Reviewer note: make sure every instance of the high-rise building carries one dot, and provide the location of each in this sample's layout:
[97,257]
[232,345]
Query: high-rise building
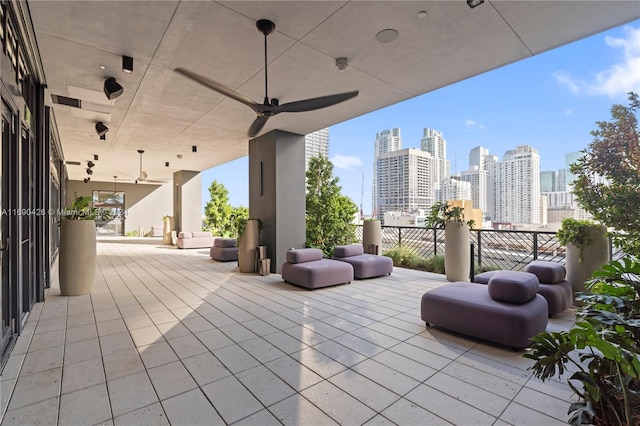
[569,159]
[386,141]
[454,188]
[561,180]
[479,180]
[405,181]
[516,186]
[548,181]
[479,157]
[433,143]
[315,144]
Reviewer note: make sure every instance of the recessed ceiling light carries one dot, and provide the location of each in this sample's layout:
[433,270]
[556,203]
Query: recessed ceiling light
[102,67]
[422,14]
[387,36]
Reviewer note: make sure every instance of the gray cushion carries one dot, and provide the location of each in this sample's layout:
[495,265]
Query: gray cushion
[346,251]
[513,287]
[303,255]
[547,272]
[185,235]
[224,242]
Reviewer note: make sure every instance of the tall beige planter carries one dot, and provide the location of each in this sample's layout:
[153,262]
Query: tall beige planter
[249,240]
[593,257]
[372,236]
[456,251]
[77,256]
[169,225]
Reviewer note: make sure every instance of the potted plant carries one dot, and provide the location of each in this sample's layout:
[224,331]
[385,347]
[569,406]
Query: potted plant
[587,249]
[602,351]
[457,239]
[77,264]
[248,241]
[372,236]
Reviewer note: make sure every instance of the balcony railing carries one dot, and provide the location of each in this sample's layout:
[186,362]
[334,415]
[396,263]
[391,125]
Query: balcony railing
[495,249]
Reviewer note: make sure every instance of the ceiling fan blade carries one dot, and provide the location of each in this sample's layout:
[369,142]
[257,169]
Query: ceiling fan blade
[315,103]
[220,88]
[257,125]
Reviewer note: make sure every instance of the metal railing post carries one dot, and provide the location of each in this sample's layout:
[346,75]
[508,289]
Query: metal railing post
[479,248]
[472,266]
[435,241]
[535,246]
[399,237]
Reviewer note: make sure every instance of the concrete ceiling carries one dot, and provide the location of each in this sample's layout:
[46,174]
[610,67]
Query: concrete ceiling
[165,114]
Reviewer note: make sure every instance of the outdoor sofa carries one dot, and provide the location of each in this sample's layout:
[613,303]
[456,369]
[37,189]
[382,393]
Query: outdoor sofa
[196,239]
[364,265]
[307,268]
[224,249]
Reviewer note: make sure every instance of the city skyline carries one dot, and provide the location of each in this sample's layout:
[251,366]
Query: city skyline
[551,102]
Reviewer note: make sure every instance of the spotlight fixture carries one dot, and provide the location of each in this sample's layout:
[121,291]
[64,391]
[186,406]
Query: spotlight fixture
[89,172]
[166,164]
[101,129]
[127,64]
[95,157]
[90,164]
[194,148]
[85,180]
[474,3]
[112,89]
[103,137]
[342,64]
[179,156]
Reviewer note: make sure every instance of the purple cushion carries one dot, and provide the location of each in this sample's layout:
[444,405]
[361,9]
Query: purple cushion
[513,287]
[185,235]
[304,255]
[224,242]
[484,277]
[346,251]
[547,272]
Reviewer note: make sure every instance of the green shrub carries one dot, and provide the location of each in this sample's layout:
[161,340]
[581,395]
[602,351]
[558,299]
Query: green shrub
[133,233]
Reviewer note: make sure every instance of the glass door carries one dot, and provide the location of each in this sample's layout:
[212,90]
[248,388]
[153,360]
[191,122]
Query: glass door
[6,330]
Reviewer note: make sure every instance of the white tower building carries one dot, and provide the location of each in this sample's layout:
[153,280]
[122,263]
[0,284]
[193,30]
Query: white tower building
[454,188]
[386,141]
[479,180]
[516,186]
[315,144]
[433,143]
[405,181]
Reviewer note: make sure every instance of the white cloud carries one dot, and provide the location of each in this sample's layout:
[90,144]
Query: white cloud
[473,123]
[346,162]
[619,78]
[568,111]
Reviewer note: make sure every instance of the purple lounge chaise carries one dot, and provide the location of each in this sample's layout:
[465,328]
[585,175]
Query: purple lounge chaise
[507,311]
[364,265]
[306,268]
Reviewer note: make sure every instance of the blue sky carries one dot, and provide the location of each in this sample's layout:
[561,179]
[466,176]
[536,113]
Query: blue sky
[550,101]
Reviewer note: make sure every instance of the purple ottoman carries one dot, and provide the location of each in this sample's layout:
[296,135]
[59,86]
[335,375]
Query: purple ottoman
[553,287]
[505,312]
[364,265]
[306,268]
[224,249]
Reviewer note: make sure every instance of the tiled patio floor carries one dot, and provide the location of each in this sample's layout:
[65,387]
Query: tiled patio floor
[172,337]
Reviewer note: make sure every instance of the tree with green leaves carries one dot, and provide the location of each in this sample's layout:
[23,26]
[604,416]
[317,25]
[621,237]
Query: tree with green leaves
[329,214]
[607,180]
[218,211]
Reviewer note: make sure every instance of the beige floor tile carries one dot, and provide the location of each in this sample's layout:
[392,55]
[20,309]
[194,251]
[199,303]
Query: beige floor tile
[41,413]
[162,317]
[47,340]
[520,415]
[261,350]
[82,375]
[83,332]
[146,336]
[404,365]
[131,393]
[338,404]
[261,418]
[285,342]
[296,410]
[337,352]
[235,358]
[187,346]
[156,354]
[214,339]
[86,406]
[543,403]
[113,326]
[191,408]
[138,321]
[205,368]
[150,415]
[404,412]
[294,373]
[171,379]
[364,390]
[265,385]
[173,330]
[37,387]
[231,399]
[115,342]
[122,363]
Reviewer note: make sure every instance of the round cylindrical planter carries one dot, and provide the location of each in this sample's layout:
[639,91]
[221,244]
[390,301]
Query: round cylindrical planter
[593,256]
[77,262]
[372,236]
[168,226]
[249,240]
[456,251]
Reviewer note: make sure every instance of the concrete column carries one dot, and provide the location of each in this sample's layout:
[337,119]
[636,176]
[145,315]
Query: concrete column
[187,200]
[277,192]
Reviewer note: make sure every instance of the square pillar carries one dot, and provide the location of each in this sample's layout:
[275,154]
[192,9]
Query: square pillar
[187,200]
[277,192]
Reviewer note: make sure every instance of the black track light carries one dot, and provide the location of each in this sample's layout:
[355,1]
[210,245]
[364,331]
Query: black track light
[95,157]
[101,129]
[112,89]
[85,180]
[194,148]
[89,171]
[103,137]
[90,164]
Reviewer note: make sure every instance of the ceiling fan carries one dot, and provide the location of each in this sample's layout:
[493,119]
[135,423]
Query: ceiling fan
[142,176]
[269,107]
